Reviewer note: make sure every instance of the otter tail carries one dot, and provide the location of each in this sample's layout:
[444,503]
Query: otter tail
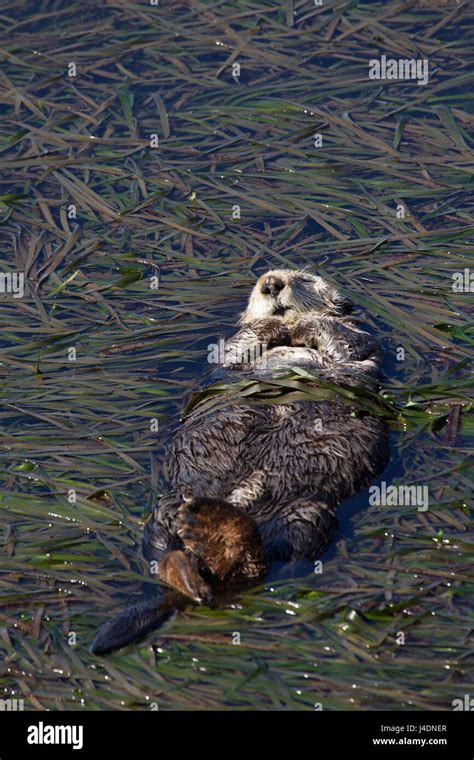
[133,623]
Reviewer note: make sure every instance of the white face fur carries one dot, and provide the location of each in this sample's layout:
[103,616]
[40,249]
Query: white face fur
[290,294]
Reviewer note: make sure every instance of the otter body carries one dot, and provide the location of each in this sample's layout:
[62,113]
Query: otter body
[253,484]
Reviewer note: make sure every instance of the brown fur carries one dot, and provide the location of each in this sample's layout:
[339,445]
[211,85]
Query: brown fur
[253,484]
[271,463]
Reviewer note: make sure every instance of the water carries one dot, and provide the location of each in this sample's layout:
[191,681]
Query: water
[80,428]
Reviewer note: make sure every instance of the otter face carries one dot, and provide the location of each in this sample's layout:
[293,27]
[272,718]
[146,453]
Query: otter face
[290,294]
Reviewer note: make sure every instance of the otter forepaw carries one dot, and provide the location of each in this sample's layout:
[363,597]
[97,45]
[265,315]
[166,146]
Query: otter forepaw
[272,330]
[304,333]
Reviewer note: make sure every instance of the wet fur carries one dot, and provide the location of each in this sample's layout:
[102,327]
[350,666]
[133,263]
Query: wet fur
[255,484]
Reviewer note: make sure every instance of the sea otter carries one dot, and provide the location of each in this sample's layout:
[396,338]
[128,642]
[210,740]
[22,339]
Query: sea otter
[252,484]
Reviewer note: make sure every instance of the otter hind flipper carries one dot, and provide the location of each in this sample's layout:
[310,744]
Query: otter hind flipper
[180,572]
[131,624]
[221,545]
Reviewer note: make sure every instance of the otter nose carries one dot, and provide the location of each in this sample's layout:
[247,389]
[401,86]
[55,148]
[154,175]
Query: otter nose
[272,286]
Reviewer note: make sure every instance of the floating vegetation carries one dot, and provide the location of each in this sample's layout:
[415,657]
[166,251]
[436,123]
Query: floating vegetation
[146,181]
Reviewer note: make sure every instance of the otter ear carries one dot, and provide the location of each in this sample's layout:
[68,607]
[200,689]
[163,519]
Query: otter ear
[344,305]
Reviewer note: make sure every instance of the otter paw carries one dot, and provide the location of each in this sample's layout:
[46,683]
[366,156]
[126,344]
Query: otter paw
[220,535]
[272,330]
[304,333]
[180,572]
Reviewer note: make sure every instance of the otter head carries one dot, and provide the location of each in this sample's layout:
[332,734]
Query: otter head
[291,294]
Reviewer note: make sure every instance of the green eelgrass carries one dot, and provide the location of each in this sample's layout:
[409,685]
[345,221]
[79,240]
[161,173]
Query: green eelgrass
[83,425]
